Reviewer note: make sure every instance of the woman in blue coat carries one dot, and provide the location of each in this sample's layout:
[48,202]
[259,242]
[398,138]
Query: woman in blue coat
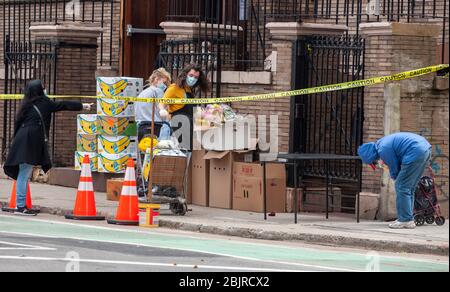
[407,155]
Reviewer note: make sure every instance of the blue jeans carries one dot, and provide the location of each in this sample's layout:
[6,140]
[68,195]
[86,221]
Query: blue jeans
[25,171]
[166,131]
[406,184]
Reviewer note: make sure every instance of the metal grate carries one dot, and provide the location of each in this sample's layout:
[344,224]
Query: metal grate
[25,62]
[329,123]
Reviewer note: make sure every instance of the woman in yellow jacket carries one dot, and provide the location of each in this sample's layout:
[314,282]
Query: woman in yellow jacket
[191,80]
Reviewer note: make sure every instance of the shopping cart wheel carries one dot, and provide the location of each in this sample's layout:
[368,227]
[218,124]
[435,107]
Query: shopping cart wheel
[430,220]
[440,221]
[419,220]
[178,208]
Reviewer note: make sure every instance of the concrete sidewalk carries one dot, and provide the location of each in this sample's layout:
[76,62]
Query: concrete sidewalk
[339,230]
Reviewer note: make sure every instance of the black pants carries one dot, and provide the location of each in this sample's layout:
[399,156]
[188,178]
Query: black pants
[145,129]
[182,139]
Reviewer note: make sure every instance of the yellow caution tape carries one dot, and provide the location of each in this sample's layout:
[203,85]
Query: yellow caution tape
[314,90]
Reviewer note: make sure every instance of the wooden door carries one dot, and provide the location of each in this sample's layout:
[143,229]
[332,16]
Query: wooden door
[141,35]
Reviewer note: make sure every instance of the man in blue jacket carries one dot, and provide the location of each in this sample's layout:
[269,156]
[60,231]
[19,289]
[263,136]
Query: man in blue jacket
[407,155]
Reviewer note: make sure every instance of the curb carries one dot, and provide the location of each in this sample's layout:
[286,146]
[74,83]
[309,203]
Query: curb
[341,241]
[325,240]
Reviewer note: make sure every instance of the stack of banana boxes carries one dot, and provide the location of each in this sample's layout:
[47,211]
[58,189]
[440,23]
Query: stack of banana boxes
[110,136]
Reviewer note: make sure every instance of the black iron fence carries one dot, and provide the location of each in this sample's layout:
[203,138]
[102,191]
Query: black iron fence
[236,32]
[25,61]
[343,10]
[236,29]
[331,122]
[176,54]
[18,15]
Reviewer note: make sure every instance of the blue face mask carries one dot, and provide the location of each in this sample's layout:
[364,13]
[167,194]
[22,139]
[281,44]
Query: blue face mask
[162,86]
[191,81]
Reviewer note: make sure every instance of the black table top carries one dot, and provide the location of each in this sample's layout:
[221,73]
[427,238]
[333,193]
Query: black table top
[318,156]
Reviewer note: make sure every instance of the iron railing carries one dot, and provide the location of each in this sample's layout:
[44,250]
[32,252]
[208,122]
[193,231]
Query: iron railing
[25,61]
[18,15]
[235,32]
[176,54]
[332,122]
[236,29]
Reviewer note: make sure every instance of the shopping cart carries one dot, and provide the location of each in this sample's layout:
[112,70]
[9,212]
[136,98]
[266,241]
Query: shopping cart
[169,179]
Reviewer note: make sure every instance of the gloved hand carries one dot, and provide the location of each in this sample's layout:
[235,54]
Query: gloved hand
[164,114]
[87,106]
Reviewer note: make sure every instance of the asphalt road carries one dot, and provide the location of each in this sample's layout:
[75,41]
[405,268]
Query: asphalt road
[48,243]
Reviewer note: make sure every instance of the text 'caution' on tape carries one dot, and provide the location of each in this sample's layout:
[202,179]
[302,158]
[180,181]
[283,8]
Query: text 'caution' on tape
[275,95]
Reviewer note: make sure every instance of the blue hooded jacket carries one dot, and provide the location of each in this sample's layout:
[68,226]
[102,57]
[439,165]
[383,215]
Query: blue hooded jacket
[395,150]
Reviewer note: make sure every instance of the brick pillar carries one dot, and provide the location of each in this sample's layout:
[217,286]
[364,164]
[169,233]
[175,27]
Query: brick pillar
[76,64]
[283,36]
[409,105]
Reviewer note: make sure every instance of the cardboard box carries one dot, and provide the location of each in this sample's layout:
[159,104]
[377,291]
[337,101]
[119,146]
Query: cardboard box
[200,178]
[117,145]
[248,187]
[119,86]
[114,189]
[93,157]
[221,177]
[114,126]
[86,143]
[87,124]
[189,186]
[113,163]
[231,136]
[115,108]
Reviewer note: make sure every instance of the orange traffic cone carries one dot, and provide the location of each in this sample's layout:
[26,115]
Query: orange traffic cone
[128,211]
[85,203]
[13,201]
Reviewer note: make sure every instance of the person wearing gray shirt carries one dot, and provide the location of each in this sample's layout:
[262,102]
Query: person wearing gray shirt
[158,83]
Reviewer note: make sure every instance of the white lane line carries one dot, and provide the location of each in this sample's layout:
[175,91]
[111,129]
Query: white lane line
[20,246]
[231,241]
[148,264]
[192,250]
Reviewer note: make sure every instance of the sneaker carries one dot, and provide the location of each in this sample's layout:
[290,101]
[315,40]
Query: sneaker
[402,225]
[24,212]
[143,199]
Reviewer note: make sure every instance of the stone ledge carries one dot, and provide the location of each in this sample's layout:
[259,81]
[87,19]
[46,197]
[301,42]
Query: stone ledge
[242,77]
[295,29]
[400,29]
[190,29]
[71,30]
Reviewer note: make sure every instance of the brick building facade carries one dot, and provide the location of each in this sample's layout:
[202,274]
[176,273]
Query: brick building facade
[395,42]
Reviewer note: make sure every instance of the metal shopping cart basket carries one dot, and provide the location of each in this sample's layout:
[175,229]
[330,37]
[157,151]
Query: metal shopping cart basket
[169,179]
